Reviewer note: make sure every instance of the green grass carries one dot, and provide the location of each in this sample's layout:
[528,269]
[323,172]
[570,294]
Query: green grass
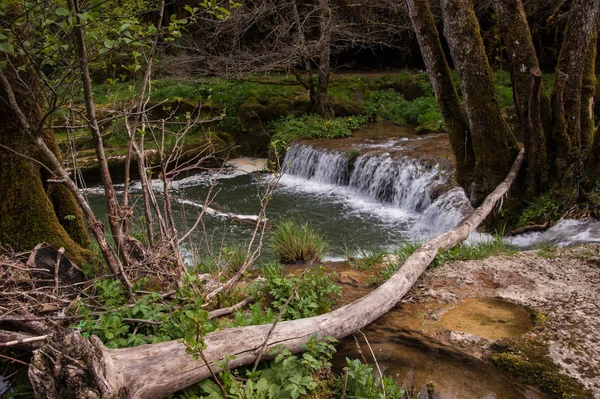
[461,252]
[295,242]
[364,259]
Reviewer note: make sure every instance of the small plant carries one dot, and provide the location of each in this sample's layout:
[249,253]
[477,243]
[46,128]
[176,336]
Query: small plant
[360,381]
[314,296]
[295,242]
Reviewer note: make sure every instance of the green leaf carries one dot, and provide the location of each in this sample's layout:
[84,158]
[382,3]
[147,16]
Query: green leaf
[6,47]
[109,43]
[62,11]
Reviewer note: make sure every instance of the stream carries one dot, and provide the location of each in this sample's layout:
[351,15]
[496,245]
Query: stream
[372,191]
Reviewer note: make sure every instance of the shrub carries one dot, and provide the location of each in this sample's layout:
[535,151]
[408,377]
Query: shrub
[294,242]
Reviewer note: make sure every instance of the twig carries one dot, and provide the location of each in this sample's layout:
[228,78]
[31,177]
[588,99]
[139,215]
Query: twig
[375,360]
[24,340]
[60,251]
[225,311]
[12,359]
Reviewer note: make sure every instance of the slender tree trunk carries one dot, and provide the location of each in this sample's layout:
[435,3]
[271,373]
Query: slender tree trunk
[493,143]
[588,91]
[527,88]
[453,113]
[114,213]
[71,366]
[324,57]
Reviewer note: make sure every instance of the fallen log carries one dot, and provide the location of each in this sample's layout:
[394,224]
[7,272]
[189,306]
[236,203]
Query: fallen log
[71,366]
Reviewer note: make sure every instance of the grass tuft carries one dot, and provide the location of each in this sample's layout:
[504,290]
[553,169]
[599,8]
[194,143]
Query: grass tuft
[295,242]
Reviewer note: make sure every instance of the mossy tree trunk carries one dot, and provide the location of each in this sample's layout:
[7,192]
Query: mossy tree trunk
[566,139]
[453,113]
[32,211]
[494,145]
[559,131]
[527,88]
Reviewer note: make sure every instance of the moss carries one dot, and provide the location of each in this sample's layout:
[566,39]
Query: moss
[537,317]
[347,108]
[526,360]
[27,216]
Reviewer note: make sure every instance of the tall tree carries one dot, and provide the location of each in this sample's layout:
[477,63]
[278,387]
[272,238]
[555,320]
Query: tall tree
[558,130]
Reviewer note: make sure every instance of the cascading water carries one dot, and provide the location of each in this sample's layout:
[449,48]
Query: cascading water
[421,188]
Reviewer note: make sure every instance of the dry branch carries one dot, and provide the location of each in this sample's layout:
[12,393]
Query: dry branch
[72,366]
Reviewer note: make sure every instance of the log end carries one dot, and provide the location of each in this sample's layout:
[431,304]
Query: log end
[72,366]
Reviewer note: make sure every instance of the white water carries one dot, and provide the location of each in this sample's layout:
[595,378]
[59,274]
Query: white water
[395,189]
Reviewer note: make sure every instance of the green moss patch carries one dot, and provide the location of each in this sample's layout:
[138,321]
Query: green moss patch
[527,360]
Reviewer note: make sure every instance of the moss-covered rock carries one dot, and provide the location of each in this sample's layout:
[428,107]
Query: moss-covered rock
[527,360]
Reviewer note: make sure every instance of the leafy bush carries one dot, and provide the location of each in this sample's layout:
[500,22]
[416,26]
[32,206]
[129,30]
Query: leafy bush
[294,242]
[314,296]
[362,383]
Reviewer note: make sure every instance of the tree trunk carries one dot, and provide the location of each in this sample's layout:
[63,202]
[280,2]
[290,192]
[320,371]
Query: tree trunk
[324,57]
[438,70]
[493,143]
[588,91]
[71,366]
[27,213]
[115,215]
[527,87]
[566,95]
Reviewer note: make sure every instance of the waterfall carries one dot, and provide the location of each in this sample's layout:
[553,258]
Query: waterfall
[423,188]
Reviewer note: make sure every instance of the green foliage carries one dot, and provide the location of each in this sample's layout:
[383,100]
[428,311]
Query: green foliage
[295,242]
[315,295]
[391,106]
[290,127]
[548,207]
[363,383]
[182,318]
[286,376]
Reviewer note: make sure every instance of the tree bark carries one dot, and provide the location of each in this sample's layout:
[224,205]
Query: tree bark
[438,70]
[71,366]
[588,91]
[115,215]
[324,57]
[528,90]
[566,95]
[493,143]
